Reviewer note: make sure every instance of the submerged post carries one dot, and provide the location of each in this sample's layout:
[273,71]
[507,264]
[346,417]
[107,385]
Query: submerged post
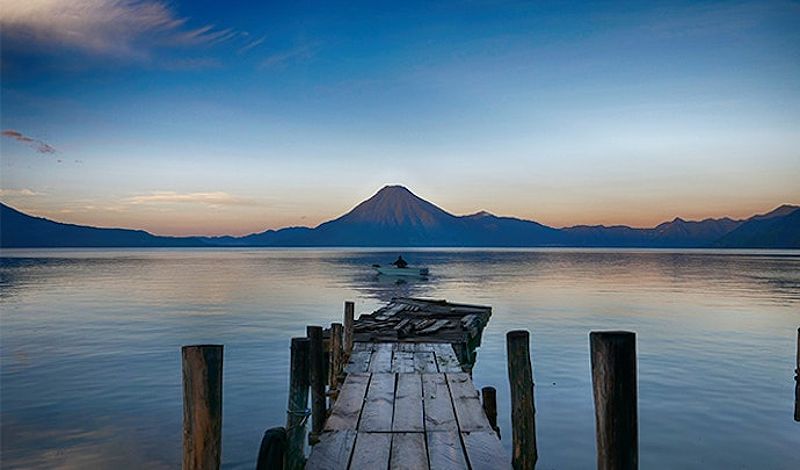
[489,395]
[317,381]
[523,410]
[349,318]
[615,399]
[202,406]
[297,409]
[797,381]
[336,355]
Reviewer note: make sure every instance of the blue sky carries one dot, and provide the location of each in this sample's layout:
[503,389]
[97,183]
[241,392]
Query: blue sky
[229,117]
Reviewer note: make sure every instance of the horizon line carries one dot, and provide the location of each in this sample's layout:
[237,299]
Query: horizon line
[674,219]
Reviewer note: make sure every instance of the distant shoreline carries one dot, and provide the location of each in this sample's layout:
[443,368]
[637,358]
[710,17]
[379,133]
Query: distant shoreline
[396,217]
[416,249]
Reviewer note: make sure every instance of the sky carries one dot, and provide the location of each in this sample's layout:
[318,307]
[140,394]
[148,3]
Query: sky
[206,117]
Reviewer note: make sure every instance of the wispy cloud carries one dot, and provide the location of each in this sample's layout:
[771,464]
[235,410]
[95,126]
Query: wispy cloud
[295,54]
[41,147]
[125,28]
[24,192]
[210,199]
[252,44]
[199,63]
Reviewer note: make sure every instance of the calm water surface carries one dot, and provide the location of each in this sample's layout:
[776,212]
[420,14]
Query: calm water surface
[89,344]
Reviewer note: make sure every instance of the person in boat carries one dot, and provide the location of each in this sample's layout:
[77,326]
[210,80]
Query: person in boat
[400,262]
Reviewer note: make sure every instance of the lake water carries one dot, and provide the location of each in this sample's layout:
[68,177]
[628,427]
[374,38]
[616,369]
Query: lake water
[90,339]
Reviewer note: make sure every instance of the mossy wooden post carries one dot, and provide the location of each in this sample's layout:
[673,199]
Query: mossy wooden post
[202,406]
[297,409]
[316,355]
[615,399]
[349,318]
[336,355]
[523,409]
[797,381]
[489,395]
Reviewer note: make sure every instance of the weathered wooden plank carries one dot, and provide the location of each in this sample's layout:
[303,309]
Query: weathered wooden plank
[408,451]
[436,326]
[797,381]
[333,450]
[381,360]
[372,451]
[466,321]
[467,403]
[489,400]
[202,406]
[425,363]
[523,408]
[446,358]
[337,355]
[615,398]
[363,346]
[376,415]
[347,408]
[405,347]
[445,451]
[358,362]
[296,406]
[408,412]
[484,451]
[390,311]
[349,319]
[438,405]
[317,381]
[403,362]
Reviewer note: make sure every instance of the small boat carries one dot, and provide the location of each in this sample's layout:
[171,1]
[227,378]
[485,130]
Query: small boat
[393,271]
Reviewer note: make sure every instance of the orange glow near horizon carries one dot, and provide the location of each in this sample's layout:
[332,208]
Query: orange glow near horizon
[173,219]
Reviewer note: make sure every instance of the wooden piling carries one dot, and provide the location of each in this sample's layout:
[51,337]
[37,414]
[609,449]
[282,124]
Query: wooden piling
[272,453]
[349,319]
[523,410]
[615,399]
[317,381]
[797,381]
[202,406]
[297,409]
[489,395]
[336,355]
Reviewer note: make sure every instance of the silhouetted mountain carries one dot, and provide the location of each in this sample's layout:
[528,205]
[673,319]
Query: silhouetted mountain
[392,217]
[676,233]
[396,217]
[780,211]
[485,229]
[777,229]
[18,230]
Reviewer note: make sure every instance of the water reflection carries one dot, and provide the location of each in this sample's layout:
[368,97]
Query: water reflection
[90,344]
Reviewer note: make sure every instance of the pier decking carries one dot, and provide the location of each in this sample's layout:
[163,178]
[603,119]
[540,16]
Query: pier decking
[401,396]
[406,401]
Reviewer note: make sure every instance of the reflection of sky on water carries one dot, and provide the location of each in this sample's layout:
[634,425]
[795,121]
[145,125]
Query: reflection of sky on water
[90,344]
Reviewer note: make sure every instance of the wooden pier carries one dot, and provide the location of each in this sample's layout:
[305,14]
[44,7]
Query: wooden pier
[393,390]
[408,400]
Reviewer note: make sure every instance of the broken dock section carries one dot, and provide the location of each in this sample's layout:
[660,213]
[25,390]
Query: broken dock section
[408,400]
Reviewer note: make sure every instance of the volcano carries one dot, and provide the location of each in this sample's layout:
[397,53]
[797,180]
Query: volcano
[396,217]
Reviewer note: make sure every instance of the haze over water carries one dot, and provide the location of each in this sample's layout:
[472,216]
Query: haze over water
[91,364]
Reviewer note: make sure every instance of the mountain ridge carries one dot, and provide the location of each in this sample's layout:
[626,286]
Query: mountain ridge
[394,216]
